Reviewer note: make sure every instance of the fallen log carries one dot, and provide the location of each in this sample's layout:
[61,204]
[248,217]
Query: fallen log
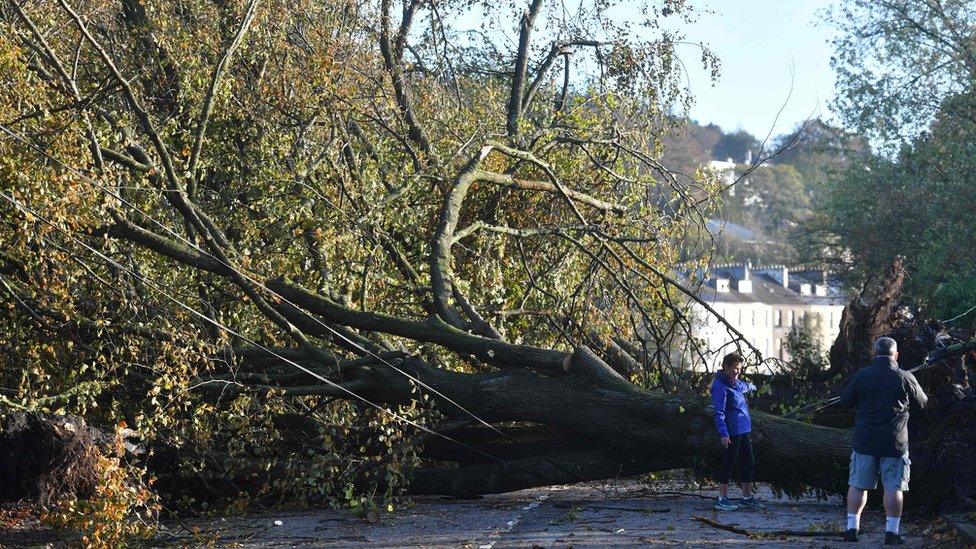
[766,534]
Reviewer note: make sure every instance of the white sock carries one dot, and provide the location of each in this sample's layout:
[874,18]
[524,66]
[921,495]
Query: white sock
[891,524]
[853,521]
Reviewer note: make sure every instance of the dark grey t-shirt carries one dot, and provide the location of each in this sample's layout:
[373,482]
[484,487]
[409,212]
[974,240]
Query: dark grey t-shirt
[881,396]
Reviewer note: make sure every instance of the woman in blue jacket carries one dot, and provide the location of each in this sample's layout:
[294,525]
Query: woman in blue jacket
[733,425]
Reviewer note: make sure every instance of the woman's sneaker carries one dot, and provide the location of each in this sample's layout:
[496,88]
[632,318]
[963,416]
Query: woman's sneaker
[752,503]
[894,539]
[725,504]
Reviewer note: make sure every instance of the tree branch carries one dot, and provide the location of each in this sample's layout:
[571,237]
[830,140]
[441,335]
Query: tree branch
[521,66]
[392,50]
[212,91]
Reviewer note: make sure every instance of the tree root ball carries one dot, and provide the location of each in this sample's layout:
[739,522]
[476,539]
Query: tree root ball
[47,457]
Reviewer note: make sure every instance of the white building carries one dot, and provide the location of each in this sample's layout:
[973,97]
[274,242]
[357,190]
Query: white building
[764,304]
[725,171]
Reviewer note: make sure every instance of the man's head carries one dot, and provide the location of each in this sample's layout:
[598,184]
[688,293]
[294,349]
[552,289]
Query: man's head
[732,365]
[885,346]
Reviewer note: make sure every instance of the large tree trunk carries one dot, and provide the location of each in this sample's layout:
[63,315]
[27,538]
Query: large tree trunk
[580,420]
[590,424]
[600,426]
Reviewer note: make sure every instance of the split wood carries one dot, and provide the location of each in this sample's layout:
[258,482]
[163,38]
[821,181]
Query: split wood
[764,534]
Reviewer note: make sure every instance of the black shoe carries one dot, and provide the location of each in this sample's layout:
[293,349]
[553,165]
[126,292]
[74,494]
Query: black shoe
[850,535]
[893,539]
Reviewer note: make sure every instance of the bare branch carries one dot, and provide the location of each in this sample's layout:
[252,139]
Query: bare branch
[392,50]
[521,67]
[214,83]
[557,49]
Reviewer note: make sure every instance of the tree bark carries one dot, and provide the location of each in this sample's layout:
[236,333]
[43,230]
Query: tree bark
[594,405]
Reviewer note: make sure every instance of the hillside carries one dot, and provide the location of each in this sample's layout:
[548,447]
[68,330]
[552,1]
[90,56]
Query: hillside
[777,197]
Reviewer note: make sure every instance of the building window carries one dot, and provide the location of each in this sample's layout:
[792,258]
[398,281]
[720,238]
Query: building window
[753,317]
[819,319]
[766,318]
[778,317]
[740,317]
[831,319]
[792,318]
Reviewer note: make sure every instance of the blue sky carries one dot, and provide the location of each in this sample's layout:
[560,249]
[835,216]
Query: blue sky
[759,43]
[765,47]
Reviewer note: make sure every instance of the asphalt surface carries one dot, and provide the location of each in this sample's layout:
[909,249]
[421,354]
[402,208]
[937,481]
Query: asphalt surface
[583,515]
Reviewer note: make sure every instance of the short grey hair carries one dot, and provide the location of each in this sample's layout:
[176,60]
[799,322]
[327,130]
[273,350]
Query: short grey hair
[885,346]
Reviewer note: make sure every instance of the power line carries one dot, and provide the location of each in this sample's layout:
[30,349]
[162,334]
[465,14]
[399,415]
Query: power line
[261,286]
[279,296]
[231,331]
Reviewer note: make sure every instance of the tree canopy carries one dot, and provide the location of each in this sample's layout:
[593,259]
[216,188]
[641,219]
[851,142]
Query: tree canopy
[223,220]
[897,61]
[905,75]
[916,205]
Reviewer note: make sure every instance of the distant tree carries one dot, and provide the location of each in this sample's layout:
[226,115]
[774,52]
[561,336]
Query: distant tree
[898,61]
[819,152]
[918,205]
[708,135]
[772,200]
[736,146]
[818,149]
[689,146]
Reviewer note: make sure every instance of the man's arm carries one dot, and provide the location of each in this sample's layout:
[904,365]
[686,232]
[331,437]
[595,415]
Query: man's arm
[915,391]
[848,397]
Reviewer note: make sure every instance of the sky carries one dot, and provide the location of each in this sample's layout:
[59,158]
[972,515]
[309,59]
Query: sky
[764,46]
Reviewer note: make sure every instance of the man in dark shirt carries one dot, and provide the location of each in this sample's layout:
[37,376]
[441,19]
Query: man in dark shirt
[881,396]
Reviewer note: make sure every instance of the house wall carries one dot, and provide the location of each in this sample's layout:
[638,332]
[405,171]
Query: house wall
[766,326]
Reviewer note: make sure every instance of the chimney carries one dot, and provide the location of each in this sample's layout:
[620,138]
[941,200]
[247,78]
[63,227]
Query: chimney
[741,272]
[780,274]
[722,285]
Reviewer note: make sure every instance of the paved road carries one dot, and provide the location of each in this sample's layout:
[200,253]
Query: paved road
[586,515]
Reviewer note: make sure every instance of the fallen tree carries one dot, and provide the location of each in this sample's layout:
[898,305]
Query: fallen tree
[289,273]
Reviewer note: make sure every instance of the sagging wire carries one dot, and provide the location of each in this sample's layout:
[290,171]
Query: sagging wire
[152,284]
[366,351]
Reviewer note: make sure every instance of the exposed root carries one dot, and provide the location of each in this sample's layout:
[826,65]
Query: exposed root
[45,457]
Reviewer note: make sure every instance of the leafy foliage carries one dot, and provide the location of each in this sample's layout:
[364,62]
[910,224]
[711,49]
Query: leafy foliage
[905,75]
[915,206]
[165,160]
[897,61]
[123,509]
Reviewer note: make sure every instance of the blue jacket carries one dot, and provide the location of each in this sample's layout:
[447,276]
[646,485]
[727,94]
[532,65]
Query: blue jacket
[731,408]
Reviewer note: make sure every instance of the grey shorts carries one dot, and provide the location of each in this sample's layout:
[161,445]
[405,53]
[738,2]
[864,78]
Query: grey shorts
[894,472]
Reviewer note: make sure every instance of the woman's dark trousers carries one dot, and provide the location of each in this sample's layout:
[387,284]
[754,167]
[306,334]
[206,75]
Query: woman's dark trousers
[740,449]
